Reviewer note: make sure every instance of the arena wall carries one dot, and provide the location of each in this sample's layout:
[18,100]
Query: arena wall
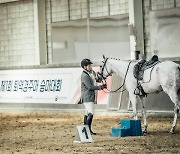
[26,29]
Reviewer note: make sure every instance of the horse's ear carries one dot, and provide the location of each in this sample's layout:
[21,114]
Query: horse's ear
[104,57]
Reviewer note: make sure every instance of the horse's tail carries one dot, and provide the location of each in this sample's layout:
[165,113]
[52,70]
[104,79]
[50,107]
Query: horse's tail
[179,69]
[178,90]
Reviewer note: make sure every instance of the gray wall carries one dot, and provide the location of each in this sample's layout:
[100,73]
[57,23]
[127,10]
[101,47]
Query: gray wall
[165,23]
[18,24]
[74,40]
[61,10]
[153,5]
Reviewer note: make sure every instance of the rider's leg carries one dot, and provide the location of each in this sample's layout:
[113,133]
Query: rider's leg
[89,106]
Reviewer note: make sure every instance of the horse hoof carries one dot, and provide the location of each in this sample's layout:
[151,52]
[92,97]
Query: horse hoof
[145,130]
[172,131]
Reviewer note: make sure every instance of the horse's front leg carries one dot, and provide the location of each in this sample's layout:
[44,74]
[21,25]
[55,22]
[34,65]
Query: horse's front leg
[133,99]
[176,111]
[143,103]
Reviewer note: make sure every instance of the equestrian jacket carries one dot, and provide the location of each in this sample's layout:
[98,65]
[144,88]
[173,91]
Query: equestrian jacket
[88,88]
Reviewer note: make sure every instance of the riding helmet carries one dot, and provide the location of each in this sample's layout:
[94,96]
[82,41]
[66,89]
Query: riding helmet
[85,62]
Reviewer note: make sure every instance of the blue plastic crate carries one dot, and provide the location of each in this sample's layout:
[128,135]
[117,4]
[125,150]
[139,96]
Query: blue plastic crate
[134,127]
[126,124]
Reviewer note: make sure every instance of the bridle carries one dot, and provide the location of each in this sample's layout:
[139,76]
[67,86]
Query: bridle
[102,70]
[103,79]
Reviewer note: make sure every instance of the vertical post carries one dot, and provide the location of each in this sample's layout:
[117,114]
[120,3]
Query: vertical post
[150,5]
[109,9]
[69,12]
[88,28]
[40,32]
[136,24]
[175,3]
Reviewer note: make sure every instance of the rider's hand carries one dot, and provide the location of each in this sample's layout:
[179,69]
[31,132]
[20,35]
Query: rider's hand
[98,80]
[99,77]
[103,86]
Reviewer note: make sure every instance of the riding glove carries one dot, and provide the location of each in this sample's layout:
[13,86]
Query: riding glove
[103,86]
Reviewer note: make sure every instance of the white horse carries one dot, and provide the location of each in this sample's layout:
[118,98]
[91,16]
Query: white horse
[164,76]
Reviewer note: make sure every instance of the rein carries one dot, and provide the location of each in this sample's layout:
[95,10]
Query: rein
[104,81]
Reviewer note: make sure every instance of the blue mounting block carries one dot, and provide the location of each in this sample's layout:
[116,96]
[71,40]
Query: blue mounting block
[120,132]
[128,128]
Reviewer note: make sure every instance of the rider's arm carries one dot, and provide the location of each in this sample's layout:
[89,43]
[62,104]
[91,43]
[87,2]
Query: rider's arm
[89,85]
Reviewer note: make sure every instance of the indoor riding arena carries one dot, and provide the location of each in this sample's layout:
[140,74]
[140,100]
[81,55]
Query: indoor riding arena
[89,76]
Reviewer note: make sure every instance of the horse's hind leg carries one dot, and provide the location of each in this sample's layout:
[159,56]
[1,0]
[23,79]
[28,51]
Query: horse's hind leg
[143,102]
[175,99]
[176,111]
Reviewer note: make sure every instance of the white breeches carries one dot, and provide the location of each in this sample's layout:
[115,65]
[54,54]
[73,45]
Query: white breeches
[89,107]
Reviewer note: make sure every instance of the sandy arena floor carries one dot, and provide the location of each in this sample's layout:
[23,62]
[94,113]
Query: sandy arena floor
[55,133]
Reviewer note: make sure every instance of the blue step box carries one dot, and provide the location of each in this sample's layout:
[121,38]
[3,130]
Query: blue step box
[128,128]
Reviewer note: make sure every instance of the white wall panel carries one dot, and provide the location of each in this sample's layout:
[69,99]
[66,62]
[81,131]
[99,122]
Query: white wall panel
[165,25]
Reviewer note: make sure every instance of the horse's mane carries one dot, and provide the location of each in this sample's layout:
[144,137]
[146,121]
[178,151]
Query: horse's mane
[122,60]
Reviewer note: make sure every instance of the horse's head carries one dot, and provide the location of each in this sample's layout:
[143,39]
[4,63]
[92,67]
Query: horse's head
[103,72]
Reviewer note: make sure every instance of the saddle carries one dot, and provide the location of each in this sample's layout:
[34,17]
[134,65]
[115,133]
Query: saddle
[142,65]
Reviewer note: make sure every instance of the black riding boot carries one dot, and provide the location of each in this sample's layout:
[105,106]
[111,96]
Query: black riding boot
[85,120]
[89,122]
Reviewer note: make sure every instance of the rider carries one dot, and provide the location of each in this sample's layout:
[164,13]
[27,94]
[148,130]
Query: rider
[88,88]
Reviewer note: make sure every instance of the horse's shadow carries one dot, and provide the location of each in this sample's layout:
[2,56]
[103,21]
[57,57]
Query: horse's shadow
[160,132]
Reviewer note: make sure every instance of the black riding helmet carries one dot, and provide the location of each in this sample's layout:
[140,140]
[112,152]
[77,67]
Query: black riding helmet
[85,62]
